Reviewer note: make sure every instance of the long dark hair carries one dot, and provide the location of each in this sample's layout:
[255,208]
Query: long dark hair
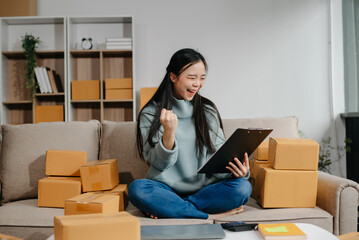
[179,62]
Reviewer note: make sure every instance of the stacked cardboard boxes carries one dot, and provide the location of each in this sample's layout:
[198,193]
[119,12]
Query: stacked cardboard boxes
[69,175]
[284,173]
[90,215]
[97,177]
[63,181]
[118,88]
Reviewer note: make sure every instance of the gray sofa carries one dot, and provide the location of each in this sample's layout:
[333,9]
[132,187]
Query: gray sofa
[23,164]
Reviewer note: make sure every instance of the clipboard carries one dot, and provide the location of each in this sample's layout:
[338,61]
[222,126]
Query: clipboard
[240,142]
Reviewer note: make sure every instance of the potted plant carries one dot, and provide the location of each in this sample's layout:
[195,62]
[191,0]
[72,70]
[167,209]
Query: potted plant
[30,44]
[325,154]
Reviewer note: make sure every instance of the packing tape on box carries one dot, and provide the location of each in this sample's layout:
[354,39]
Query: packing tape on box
[99,162]
[84,204]
[90,197]
[94,170]
[82,207]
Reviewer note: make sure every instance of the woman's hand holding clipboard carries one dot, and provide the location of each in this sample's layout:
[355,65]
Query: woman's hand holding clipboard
[240,142]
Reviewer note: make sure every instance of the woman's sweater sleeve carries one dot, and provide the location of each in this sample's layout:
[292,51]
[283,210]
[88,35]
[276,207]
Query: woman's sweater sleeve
[158,156]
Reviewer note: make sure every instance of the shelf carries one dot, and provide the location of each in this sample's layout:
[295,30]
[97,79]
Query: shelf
[32,20]
[49,94]
[86,101]
[118,100]
[42,54]
[105,100]
[117,53]
[17,102]
[96,53]
[92,20]
[85,53]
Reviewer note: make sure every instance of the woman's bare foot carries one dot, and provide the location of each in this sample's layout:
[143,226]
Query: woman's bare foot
[151,216]
[225,214]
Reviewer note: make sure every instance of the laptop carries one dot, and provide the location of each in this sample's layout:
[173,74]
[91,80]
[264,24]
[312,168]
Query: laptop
[195,231]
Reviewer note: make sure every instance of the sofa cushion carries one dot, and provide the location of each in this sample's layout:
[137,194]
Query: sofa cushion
[282,126]
[27,213]
[119,141]
[24,151]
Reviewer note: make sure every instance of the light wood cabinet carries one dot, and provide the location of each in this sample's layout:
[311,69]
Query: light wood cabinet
[60,50]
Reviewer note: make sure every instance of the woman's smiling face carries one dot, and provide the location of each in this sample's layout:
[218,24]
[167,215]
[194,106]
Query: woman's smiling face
[188,83]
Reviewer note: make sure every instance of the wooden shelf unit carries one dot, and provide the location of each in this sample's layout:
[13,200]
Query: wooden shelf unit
[99,64]
[16,105]
[60,51]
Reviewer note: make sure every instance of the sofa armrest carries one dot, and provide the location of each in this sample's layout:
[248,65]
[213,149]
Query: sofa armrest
[339,197]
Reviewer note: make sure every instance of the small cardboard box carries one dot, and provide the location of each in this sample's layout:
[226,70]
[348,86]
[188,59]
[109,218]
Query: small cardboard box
[118,93]
[286,188]
[53,113]
[85,90]
[261,153]
[116,83]
[64,163]
[53,191]
[293,153]
[92,202]
[99,175]
[109,226]
[146,94]
[7,237]
[121,191]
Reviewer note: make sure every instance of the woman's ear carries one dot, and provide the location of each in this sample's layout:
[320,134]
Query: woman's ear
[173,77]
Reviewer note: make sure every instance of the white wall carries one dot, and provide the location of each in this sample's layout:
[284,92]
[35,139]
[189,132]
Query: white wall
[266,58]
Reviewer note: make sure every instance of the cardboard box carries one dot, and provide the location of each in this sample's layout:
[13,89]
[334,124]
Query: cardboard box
[52,113]
[254,166]
[293,153]
[99,175]
[121,191]
[261,153]
[115,83]
[92,202]
[7,237]
[109,226]
[53,191]
[85,90]
[286,188]
[146,94]
[118,94]
[18,8]
[65,163]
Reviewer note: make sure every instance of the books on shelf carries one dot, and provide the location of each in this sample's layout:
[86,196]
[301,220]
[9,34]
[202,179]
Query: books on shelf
[119,43]
[48,80]
[279,231]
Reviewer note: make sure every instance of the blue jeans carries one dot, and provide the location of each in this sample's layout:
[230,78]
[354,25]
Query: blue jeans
[157,198]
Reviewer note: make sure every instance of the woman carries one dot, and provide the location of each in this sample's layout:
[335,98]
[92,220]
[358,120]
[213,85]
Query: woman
[177,131]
